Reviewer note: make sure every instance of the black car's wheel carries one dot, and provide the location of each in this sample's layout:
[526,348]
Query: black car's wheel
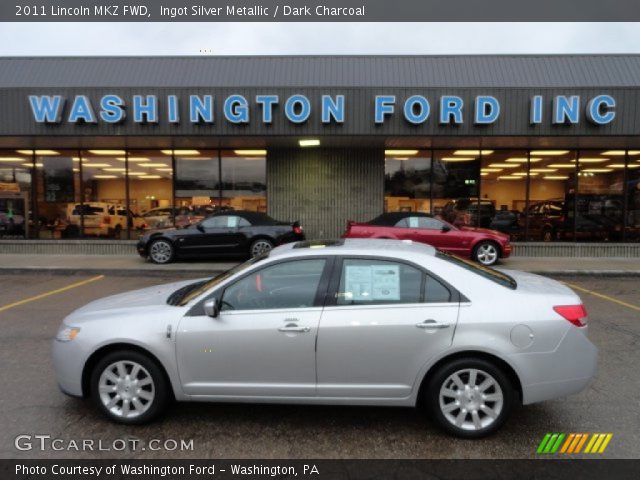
[128,387]
[487,253]
[469,397]
[260,246]
[161,251]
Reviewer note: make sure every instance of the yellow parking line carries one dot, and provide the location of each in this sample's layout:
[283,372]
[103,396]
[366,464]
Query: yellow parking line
[51,292]
[605,297]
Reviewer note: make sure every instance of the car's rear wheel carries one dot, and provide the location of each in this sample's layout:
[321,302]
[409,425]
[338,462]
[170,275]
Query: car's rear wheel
[128,387]
[260,246]
[470,397]
[486,253]
[161,251]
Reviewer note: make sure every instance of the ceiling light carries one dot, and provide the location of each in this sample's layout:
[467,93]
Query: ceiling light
[133,159]
[548,153]
[592,160]
[38,152]
[107,152]
[115,169]
[181,152]
[136,174]
[620,153]
[151,164]
[166,169]
[484,174]
[38,165]
[556,177]
[621,165]
[457,159]
[509,177]
[562,165]
[490,170]
[309,142]
[400,153]
[524,174]
[105,177]
[522,160]
[76,169]
[543,170]
[76,159]
[597,170]
[400,158]
[12,159]
[150,177]
[250,153]
[504,165]
[96,165]
[473,152]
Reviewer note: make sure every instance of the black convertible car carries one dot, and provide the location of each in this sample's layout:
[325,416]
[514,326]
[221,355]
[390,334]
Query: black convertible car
[234,233]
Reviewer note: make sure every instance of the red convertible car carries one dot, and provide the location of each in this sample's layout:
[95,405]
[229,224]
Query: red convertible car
[480,244]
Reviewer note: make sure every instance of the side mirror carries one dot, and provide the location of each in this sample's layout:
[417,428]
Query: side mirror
[212,307]
[445,228]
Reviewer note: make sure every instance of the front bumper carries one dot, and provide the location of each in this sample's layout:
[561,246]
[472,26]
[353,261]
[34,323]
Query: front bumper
[565,371]
[506,251]
[68,363]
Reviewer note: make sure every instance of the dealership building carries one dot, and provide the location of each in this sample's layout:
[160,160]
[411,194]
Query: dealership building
[544,147]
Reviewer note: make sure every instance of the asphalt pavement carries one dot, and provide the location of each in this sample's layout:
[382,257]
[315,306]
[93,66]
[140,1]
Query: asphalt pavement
[32,306]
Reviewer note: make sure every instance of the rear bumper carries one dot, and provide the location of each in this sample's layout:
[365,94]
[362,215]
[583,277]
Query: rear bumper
[506,251]
[565,371]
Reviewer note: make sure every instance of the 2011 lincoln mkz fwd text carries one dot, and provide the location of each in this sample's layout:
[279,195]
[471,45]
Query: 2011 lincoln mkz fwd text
[346,322]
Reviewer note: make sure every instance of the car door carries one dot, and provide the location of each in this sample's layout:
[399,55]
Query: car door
[386,319]
[263,341]
[216,235]
[439,234]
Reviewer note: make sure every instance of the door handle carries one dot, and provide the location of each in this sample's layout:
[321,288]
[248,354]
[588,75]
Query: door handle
[432,324]
[294,328]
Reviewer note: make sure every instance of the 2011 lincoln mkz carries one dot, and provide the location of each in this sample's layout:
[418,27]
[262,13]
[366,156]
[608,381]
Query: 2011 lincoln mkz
[348,322]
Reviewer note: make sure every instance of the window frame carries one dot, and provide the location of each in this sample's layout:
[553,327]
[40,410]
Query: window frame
[331,296]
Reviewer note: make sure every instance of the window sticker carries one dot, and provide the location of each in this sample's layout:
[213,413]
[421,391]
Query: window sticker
[372,283]
[413,222]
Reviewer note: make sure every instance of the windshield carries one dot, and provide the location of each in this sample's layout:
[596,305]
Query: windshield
[184,295]
[486,272]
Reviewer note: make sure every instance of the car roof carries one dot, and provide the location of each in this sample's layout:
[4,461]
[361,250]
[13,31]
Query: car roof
[354,246]
[389,218]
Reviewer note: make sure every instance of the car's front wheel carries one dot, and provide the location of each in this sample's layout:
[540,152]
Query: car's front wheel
[161,251]
[469,397]
[486,253]
[128,387]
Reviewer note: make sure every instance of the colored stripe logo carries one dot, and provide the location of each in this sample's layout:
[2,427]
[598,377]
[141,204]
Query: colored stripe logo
[573,443]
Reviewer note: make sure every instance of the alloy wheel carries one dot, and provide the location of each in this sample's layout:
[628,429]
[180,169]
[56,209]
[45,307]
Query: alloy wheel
[259,247]
[471,399]
[126,389]
[161,251]
[487,254]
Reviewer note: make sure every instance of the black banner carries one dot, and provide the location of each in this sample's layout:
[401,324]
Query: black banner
[578,469]
[320,11]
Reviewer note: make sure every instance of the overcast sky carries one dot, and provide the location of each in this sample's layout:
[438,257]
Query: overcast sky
[315,38]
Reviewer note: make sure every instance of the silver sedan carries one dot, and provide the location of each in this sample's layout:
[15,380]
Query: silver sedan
[349,322]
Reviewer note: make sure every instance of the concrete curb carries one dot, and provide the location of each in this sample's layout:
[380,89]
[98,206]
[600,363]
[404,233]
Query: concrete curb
[150,272]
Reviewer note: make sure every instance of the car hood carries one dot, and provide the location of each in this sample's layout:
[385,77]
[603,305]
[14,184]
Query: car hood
[486,231]
[532,283]
[145,297]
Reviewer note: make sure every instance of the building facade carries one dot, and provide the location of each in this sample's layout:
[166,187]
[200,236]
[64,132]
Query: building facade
[542,147]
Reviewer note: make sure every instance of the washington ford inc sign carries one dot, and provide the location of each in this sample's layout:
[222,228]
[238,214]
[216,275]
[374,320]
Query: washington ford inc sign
[297,109]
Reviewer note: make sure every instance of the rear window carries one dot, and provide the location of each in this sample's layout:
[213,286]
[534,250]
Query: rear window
[486,272]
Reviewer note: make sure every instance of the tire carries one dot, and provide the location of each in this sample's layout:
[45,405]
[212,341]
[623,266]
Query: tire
[443,400]
[161,251]
[486,253]
[124,399]
[260,246]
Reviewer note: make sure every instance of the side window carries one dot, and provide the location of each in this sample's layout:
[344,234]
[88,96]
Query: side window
[373,282]
[216,222]
[429,223]
[242,222]
[404,223]
[435,292]
[285,285]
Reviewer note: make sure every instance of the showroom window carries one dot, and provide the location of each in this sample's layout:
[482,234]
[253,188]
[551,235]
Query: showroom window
[456,178]
[244,179]
[16,195]
[407,181]
[632,192]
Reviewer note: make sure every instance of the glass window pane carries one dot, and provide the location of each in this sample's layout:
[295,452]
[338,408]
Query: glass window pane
[435,292]
[244,180]
[633,197]
[15,195]
[286,285]
[553,183]
[372,282]
[58,190]
[407,181]
[456,176]
[197,185]
[104,195]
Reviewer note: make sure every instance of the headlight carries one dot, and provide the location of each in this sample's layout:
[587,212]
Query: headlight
[66,334]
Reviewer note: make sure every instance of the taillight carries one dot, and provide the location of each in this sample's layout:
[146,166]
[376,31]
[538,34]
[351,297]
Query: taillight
[297,229]
[576,314]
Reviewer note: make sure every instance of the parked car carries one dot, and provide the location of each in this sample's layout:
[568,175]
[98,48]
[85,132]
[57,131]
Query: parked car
[351,322]
[101,219]
[467,212]
[507,221]
[232,233]
[482,245]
